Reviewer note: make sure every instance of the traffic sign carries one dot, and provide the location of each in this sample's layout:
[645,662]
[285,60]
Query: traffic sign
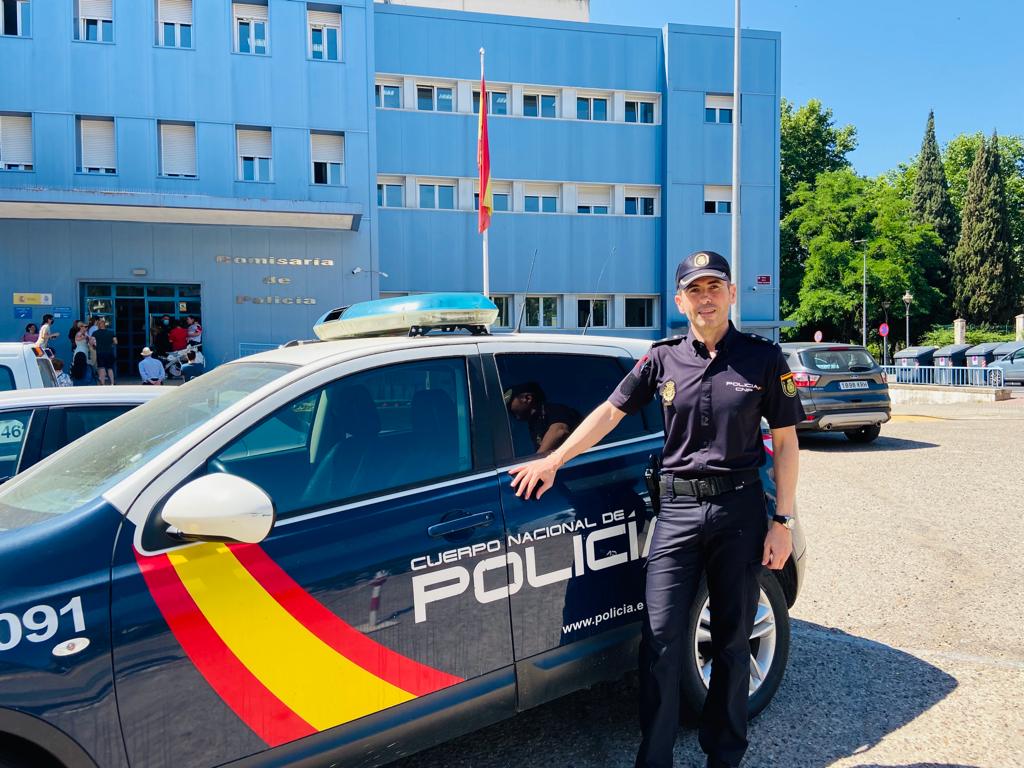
[818,336]
[883,330]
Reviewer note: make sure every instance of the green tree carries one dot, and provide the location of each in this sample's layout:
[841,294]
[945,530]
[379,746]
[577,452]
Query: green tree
[930,202]
[985,280]
[810,144]
[828,219]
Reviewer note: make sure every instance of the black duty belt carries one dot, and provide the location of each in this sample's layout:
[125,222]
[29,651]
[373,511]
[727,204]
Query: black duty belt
[708,486]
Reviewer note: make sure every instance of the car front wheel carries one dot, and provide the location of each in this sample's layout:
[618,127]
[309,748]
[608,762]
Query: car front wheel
[864,434]
[769,648]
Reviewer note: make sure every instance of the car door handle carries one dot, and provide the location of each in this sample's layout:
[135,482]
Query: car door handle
[449,527]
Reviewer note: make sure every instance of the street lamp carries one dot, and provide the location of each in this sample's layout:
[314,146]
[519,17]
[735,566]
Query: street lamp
[885,339]
[864,307]
[908,297]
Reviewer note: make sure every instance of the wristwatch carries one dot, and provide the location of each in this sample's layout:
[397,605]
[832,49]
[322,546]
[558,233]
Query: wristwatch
[784,520]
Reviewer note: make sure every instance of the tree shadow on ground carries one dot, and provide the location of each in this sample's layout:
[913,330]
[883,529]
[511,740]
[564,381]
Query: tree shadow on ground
[842,694]
[836,442]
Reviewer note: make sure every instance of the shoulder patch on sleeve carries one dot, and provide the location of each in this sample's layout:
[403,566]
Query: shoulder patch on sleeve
[788,385]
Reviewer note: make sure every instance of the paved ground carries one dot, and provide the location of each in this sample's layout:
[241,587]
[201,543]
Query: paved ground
[907,649]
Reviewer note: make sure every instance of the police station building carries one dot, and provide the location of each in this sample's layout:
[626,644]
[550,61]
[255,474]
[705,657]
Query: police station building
[260,163]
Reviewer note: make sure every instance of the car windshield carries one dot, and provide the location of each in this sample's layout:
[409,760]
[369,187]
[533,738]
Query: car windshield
[838,360]
[88,467]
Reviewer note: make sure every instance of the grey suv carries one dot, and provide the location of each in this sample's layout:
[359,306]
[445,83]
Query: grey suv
[841,388]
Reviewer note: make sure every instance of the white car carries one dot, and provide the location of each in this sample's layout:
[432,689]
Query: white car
[21,367]
[35,423]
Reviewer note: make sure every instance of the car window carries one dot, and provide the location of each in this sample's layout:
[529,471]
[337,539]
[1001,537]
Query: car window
[547,395]
[105,456]
[65,425]
[378,430]
[46,372]
[6,379]
[838,360]
[13,429]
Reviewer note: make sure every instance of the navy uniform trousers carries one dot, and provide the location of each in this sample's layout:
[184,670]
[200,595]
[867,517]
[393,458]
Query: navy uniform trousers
[722,536]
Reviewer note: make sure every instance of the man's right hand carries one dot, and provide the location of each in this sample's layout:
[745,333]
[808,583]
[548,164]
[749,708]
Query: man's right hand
[536,476]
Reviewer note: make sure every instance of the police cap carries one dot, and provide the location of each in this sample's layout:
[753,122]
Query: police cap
[702,264]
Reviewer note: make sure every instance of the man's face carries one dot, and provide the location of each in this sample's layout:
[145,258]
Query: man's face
[706,302]
[521,406]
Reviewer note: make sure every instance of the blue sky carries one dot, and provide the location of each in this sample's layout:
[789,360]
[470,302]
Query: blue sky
[879,65]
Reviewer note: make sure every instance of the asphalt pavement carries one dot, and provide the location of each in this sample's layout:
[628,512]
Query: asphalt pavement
[908,647]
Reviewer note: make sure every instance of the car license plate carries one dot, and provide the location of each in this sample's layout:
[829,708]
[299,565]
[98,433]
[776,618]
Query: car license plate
[853,385]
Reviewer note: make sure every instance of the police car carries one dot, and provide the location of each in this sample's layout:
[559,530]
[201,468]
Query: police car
[313,555]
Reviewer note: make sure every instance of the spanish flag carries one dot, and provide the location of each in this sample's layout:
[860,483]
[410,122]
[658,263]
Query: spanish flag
[483,160]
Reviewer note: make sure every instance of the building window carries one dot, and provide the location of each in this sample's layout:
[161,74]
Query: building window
[541,203]
[639,206]
[639,312]
[174,23]
[639,111]
[327,151]
[324,35]
[440,196]
[252,23]
[498,199]
[178,150]
[593,199]
[592,313]
[542,312]
[435,98]
[255,153]
[94,21]
[15,18]
[504,305]
[592,209]
[390,194]
[16,142]
[499,102]
[591,108]
[539,105]
[389,95]
[717,199]
[96,149]
[717,108]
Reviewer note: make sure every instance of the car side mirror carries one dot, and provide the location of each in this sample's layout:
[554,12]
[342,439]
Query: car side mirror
[220,507]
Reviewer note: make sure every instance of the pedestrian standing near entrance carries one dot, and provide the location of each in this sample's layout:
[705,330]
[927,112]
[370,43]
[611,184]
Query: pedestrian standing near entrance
[715,385]
[194,330]
[151,370]
[178,336]
[45,335]
[105,341]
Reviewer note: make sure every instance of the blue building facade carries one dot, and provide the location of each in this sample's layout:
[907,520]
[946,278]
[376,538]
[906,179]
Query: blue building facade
[260,163]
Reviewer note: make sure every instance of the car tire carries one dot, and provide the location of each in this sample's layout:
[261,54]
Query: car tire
[770,649]
[864,434]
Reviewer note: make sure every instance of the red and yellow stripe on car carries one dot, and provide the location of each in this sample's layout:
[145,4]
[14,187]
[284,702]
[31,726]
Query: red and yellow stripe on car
[285,664]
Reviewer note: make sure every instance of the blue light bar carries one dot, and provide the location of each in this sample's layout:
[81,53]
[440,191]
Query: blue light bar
[408,315]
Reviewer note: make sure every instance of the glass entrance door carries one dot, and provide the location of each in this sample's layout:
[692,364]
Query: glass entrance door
[133,312]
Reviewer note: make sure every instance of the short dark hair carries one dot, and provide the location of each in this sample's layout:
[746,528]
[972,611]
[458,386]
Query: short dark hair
[191,355]
[527,388]
[47,319]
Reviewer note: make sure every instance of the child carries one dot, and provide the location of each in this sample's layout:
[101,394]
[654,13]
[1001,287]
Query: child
[63,380]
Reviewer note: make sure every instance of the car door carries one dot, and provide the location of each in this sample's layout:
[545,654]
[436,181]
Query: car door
[576,554]
[56,426]
[379,602]
[14,430]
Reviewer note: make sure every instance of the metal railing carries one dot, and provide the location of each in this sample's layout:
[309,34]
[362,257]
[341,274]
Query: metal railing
[948,375]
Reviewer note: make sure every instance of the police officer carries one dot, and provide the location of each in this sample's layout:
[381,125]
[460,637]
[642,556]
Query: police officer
[715,384]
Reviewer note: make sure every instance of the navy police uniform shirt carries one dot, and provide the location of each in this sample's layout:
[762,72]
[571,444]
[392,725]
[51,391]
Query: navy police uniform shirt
[713,405]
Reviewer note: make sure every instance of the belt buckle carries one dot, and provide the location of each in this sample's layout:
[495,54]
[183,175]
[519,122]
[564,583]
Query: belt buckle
[706,487]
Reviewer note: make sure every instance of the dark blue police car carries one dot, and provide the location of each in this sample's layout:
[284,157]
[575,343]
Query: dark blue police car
[313,555]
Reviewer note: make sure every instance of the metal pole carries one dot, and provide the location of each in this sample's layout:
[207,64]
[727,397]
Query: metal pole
[864,310]
[486,265]
[736,272]
[908,324]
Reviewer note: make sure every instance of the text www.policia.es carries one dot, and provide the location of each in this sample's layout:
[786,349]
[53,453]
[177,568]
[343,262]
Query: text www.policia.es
[611,613]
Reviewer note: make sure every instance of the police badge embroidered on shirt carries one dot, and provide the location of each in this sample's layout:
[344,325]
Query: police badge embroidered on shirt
[668,392]
[788,387]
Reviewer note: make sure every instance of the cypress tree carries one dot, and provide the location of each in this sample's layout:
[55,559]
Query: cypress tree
[984,289]
[931,203]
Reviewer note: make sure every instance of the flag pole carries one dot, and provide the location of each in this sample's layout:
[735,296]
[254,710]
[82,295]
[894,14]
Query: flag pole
[737,279]
[486,265]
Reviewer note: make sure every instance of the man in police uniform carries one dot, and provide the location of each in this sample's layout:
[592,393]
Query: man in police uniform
[715,385]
